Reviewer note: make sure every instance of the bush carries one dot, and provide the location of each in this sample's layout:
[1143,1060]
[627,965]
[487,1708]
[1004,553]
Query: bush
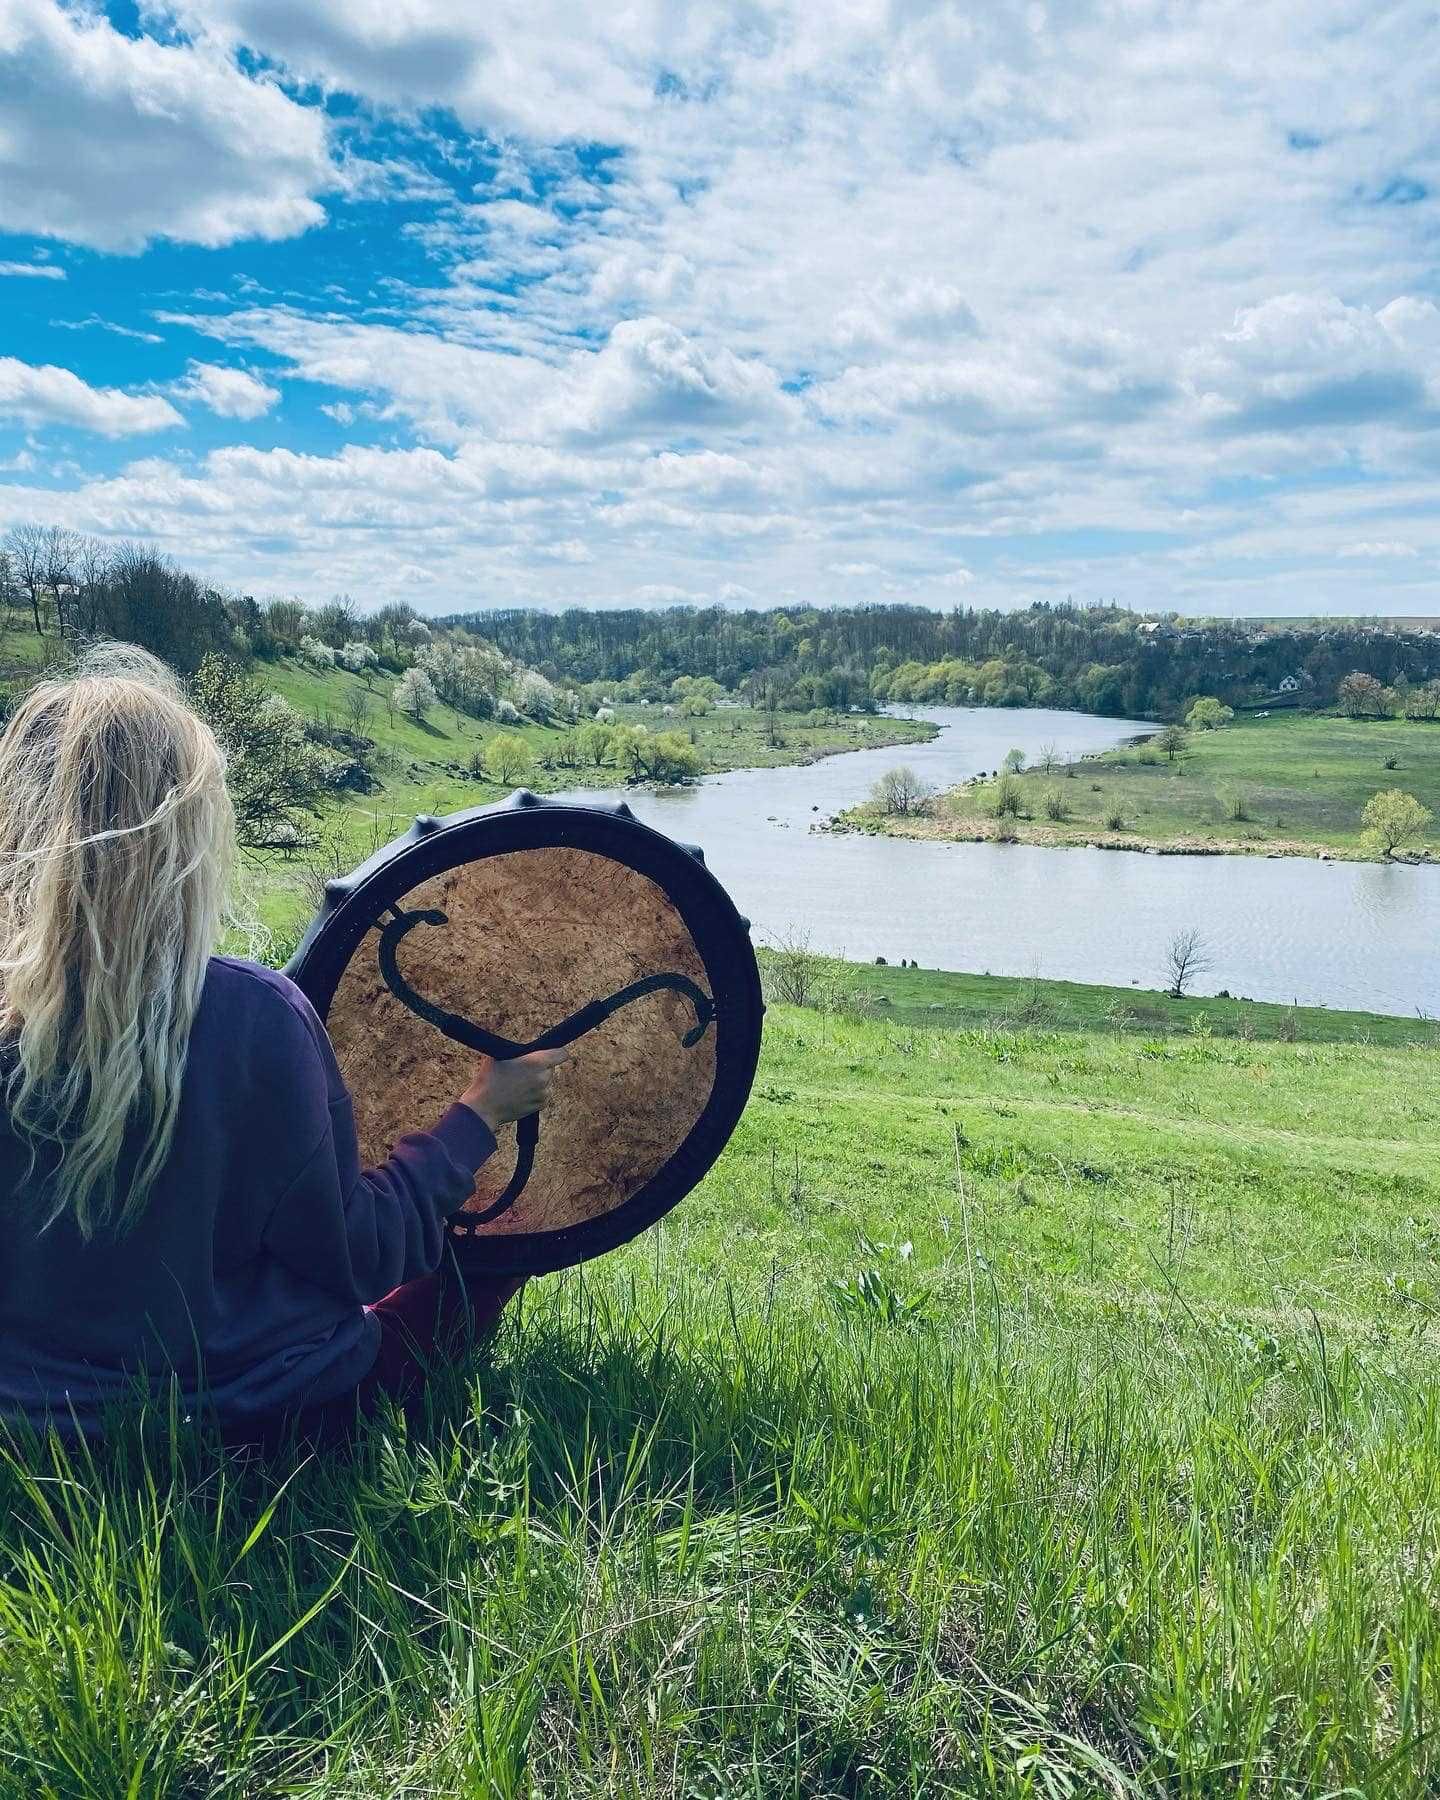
[1237,805]
[1008,795]
[1114,819]
[1209,714]
[1057,807]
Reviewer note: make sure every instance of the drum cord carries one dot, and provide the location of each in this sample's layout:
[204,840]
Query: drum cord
[490,1043]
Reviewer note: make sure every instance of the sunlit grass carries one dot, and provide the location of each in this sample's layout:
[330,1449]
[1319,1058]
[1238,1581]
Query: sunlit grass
[1012,1412]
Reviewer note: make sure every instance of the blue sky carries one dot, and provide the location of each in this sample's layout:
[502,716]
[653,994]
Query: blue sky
[751,303]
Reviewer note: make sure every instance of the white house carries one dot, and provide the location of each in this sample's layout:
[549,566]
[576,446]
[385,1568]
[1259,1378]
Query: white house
[1289,684]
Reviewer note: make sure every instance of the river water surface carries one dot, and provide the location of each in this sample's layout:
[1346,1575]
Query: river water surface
[1332,934]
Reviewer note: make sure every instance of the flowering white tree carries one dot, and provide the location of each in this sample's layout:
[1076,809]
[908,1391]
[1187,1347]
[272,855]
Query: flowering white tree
[534,695]
[415,693]
[358,657]
[321,655]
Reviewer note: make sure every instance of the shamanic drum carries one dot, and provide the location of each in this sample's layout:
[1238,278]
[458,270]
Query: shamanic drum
[525,926]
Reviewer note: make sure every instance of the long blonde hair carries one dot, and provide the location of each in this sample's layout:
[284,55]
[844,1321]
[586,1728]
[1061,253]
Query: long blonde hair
[116,851]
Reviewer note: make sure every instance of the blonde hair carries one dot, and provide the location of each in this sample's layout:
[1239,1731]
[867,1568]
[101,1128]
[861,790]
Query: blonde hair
[116,850]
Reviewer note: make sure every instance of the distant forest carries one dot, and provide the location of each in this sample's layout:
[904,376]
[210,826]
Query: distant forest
[1099,659]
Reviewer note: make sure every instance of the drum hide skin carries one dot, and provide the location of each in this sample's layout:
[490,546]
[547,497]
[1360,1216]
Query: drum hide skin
[532,935]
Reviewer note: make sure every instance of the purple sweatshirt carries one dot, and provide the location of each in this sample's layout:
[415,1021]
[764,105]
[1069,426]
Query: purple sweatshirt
[261,1242]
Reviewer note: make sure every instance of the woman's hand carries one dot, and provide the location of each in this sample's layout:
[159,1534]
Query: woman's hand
[502,1092]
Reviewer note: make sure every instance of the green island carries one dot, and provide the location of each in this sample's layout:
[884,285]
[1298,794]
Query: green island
[1290,784]
[1023,1409]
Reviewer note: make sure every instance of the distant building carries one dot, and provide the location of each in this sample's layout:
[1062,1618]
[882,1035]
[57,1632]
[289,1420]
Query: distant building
[1289,684]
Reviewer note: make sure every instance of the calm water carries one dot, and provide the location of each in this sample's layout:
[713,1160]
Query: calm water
[1335,934]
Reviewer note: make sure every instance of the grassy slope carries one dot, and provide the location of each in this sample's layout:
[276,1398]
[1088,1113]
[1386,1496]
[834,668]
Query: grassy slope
[1011,1412]
[1305,779]
[413,758]
[916,995]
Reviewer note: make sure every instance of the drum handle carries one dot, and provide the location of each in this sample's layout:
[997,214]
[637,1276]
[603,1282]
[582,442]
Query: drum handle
[490,1043]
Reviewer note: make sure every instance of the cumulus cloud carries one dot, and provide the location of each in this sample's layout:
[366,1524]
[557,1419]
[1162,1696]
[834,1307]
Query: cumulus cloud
[111,140]
[231,393]
[46,395]
[1025,301]
[1303,360]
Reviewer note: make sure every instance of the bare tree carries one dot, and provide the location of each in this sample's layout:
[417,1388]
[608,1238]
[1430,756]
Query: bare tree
[791,970]
[357,711]
[29,555]
[1187,958]
[1049,756]
[901,792]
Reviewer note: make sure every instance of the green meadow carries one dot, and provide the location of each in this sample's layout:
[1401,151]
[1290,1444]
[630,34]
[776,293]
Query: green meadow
[1294,783]
[1017,1409]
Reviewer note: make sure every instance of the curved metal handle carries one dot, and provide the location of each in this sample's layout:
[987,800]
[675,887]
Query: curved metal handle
[489,1043]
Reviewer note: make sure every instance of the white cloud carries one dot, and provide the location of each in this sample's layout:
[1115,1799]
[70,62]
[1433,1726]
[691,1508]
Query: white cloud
[229,392]
[1379,547]
[46,395]
[35,271]
[94,323]
[1100,296]
[111,140]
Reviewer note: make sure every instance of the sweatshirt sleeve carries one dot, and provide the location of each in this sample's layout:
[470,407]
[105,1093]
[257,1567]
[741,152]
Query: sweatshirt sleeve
[357,1232]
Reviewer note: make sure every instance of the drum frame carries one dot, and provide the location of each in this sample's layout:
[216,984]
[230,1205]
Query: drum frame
[354,905]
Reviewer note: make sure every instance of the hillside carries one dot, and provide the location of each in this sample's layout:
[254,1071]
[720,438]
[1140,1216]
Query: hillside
[417,765]
[1012,1411]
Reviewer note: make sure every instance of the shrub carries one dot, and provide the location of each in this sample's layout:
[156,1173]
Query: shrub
[1007,798]
[1057,807]
[1114,819]
[1237,805]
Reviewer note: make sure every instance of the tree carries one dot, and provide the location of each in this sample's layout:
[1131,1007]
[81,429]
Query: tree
[900,792]
[534,695]
[594,742]
[1187,957]
[358,657]
[415,694]
[670,757]
[1014,762]
[1172,740]
[1394,820]
[273,771]
[1049,756]
[1209,714]
[1361,696]
[357,712]
[508,760]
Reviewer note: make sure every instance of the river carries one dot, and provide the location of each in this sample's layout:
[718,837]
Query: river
[1325,934]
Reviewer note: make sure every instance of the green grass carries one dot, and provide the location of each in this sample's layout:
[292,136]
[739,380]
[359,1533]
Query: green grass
[941,997]
[1301,779]
[419,765]
[1012,1411]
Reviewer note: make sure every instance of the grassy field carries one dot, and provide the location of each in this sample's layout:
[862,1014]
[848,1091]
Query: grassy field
[1300,779]
[1013,1411]
[940,997]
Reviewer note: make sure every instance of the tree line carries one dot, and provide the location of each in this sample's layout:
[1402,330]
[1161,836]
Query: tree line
[1099,659]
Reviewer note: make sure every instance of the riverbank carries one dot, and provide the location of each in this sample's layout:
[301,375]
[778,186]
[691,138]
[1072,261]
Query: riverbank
[941,998]
[1291,784]
[1017,1412]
